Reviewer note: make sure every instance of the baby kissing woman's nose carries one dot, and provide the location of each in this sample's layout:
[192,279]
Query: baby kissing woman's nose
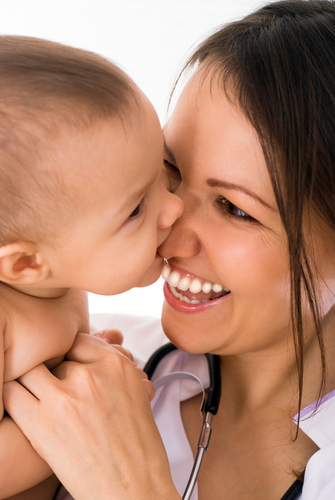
[172,209]
[183,240]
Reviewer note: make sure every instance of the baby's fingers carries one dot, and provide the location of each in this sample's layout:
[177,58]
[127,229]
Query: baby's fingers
[123,351]
[111,336]
[114,338]
[88,349]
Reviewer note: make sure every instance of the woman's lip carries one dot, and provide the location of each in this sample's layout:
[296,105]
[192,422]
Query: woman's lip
[189,308]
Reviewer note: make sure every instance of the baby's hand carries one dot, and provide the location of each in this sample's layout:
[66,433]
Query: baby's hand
[111,336]
[115,338]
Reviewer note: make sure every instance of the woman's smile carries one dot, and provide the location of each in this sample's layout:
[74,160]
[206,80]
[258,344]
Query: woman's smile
[227,257]
[190,293]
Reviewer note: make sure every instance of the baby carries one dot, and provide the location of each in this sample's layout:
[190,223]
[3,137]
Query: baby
[83,206]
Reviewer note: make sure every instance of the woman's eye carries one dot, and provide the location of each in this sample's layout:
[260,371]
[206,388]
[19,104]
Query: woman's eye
[229,208]
[173,174]
[136,212]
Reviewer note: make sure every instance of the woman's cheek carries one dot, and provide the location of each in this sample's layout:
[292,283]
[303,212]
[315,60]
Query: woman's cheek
[247,264]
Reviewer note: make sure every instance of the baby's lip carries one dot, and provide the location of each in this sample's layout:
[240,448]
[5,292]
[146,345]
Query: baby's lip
[192,286]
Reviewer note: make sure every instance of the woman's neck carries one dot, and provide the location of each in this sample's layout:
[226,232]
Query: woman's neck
[261,379]
[253,381]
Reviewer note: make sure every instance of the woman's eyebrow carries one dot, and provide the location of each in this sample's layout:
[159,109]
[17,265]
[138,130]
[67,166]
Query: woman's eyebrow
[237,187]
[169,153]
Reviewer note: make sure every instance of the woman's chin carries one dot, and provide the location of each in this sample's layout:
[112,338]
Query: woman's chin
[184,333]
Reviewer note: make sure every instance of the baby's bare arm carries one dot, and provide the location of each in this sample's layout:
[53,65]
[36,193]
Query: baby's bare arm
[20,466]
[43,491]
[104,443]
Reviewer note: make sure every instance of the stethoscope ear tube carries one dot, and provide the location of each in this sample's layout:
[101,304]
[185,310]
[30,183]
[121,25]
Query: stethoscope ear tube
[211,408]
[214,391]
[211,404]
[156,358]
[203,443]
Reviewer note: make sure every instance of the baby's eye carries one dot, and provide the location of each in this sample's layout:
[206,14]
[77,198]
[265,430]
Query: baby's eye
[173,174]
[135,213]
[228,208]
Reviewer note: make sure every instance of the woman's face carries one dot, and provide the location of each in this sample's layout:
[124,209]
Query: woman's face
[229,235]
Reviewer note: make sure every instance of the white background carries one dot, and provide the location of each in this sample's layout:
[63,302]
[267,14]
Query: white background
[149,39]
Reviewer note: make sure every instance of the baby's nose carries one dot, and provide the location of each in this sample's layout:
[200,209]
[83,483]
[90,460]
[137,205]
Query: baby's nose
[172,209]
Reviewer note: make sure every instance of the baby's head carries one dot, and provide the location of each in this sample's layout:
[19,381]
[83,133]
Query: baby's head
[82,202]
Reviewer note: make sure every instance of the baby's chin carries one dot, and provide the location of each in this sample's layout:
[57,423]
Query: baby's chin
[149,280]
[152,275]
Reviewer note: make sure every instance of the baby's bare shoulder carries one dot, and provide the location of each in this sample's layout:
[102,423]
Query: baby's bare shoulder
[4,316]
[38,330]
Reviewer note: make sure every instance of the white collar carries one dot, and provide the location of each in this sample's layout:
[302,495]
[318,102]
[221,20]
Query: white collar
[320,426]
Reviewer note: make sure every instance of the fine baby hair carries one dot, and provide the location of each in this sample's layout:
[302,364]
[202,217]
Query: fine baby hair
[45,87]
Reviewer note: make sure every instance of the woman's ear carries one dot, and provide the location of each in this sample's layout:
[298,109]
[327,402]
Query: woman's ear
[22,264]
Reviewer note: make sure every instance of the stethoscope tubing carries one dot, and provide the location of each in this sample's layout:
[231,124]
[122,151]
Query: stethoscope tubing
[209,408]
[214,391]
[203,443]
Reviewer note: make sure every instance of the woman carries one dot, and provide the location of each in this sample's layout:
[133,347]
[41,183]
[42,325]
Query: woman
[250,149]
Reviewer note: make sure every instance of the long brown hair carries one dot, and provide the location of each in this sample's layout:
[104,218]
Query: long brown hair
[281,61]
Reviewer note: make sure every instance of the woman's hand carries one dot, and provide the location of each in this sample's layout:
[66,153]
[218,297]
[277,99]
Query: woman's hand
[93,424]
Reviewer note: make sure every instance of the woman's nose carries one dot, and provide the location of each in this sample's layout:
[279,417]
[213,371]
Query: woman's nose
[183,240]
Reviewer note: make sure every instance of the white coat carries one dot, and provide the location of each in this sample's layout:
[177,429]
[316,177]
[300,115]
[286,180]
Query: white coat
[142,336]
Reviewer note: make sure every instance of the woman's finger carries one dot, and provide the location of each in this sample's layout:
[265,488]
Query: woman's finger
[62,426]
[38,380]
[18,401]
[149,387]
[87,349]
[123,351]
[63,370]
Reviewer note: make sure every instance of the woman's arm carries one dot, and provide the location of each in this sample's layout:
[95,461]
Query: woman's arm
[94,424]
[20,466]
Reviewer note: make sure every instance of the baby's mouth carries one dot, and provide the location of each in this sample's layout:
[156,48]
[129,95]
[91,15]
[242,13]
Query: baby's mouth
[190,288]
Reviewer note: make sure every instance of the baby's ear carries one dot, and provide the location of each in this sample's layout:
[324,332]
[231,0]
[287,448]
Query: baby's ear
[22,264]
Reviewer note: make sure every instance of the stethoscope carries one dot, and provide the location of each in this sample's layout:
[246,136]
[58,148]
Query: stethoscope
[209,408]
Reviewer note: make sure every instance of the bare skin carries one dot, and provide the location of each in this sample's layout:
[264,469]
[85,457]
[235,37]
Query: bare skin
[46,490]
[60,319]
[106,244]
[250,457]
[120,447]
[231,237]
[235,239]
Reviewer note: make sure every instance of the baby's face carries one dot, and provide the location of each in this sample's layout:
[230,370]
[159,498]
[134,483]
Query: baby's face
[125,211]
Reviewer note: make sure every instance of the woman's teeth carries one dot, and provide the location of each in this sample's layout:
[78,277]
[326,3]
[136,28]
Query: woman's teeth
[193,285]
[182,297]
